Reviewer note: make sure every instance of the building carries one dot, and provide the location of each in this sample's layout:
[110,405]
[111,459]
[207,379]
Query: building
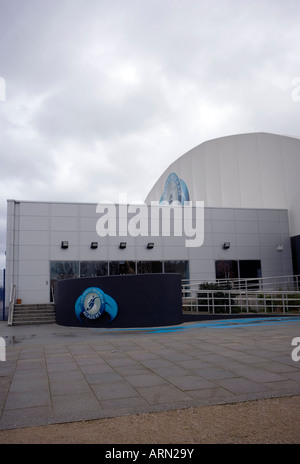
[251,222]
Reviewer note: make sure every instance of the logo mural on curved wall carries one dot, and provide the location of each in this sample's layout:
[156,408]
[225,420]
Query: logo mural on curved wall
[93,302]
[175,191]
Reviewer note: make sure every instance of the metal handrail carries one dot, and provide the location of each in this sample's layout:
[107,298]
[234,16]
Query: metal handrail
[52,294]
[277,283]
[11,305]
[228,301]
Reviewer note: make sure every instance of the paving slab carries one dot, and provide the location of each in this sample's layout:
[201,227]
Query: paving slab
[54,374]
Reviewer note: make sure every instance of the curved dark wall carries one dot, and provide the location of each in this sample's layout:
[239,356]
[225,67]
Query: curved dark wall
[145,300]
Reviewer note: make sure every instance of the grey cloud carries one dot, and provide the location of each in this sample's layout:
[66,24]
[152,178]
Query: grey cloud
[127,87]
[85,115]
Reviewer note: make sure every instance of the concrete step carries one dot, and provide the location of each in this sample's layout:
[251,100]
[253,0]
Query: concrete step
[25,314]
[22,312]
[20,317]
[34,322]
[34,307]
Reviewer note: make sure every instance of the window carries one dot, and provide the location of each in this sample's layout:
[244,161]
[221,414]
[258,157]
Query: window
[93,268]
[62,270]
[179,267]
[226,269]
[149,267]
[121,267]
[243,269]
[250,268]
[72,269]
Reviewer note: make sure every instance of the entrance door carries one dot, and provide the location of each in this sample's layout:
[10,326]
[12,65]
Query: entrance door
[250,269]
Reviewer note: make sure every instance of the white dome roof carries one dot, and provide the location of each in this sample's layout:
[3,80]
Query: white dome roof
[257,170]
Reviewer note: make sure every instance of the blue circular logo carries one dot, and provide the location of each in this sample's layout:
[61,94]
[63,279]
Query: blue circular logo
[93,302]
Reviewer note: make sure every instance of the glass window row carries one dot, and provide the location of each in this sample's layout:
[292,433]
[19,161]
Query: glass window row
[74,269]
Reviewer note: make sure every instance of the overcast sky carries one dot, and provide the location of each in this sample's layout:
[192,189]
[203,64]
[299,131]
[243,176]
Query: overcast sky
[102,95]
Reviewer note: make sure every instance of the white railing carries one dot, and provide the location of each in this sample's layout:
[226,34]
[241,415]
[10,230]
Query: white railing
[268,295]
[11,305]
[277,283]
[230,302]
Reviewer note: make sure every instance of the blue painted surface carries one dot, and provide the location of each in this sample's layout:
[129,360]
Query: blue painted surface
[220,324]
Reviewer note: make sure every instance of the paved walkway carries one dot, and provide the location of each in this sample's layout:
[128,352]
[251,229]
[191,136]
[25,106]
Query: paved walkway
[55,374]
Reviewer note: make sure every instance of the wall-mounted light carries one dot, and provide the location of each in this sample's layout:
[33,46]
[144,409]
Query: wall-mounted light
[150,245]
[64,244]
[226,245]
[279,247]
[122,245]
[94,245]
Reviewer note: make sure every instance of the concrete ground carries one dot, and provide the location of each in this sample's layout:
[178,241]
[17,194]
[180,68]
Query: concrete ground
[54,374]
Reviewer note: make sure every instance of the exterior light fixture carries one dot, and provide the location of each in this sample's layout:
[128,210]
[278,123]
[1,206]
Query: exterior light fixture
[150,246]
[123,245]
[226,245]
[94,245]
[64,244]
[279,247]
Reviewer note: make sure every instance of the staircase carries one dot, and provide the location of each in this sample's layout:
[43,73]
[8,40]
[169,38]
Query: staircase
[25,314]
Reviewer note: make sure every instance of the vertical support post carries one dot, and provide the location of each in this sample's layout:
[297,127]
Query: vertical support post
[3,302]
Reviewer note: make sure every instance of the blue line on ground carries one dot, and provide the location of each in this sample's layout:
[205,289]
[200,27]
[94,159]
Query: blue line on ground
[221,324]
[233,323]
